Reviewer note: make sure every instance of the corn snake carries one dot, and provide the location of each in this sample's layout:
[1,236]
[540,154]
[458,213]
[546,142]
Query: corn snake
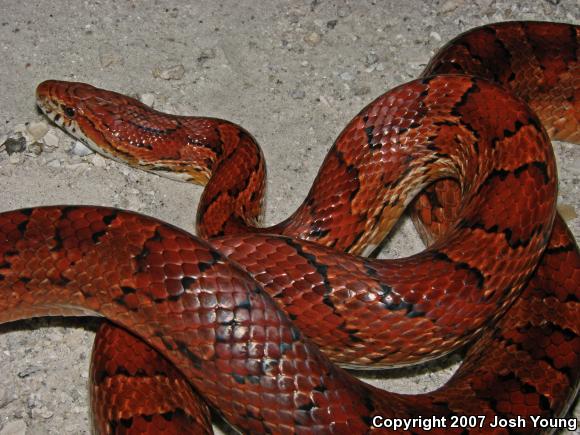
[400,302]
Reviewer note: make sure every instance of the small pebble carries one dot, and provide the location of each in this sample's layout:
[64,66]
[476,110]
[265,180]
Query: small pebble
[312,39]
[43,412]
[331,24]
[80,149]
[371,59]
[206,54]
[50,139]
[147,99]
[98,161]
[15,145]
[436,36]
[450,5]
[37,130]
[171,72]
[36,148]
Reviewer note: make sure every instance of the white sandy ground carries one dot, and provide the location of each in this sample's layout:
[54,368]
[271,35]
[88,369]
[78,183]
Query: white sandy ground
[292,72]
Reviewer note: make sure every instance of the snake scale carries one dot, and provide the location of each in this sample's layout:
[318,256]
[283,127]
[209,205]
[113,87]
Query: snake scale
[253,317]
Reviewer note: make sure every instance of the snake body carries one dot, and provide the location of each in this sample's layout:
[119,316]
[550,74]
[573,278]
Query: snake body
[254,319]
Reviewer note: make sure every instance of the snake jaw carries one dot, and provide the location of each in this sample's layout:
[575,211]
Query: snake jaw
[56,115]
[63,103]
[56,109]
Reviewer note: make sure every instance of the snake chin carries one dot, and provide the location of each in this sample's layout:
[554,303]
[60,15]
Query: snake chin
[177,176]
[55,113]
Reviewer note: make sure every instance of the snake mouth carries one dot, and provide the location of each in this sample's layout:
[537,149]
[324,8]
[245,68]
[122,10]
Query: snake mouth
[49,99]
[50,110]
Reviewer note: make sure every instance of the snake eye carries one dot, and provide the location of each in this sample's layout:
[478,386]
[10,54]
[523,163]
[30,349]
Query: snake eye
[69,112]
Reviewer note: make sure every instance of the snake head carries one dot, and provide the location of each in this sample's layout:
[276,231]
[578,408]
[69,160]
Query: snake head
[82,110]
[100,119]
[124,129]
[64,102]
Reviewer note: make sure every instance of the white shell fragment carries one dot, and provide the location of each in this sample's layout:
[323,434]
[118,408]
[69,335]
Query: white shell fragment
[147,99]
[37,130]
[169,72]
[98,161]
[51,139]
[80,149]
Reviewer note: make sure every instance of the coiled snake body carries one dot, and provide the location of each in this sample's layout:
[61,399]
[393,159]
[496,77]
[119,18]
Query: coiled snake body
[244,319]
